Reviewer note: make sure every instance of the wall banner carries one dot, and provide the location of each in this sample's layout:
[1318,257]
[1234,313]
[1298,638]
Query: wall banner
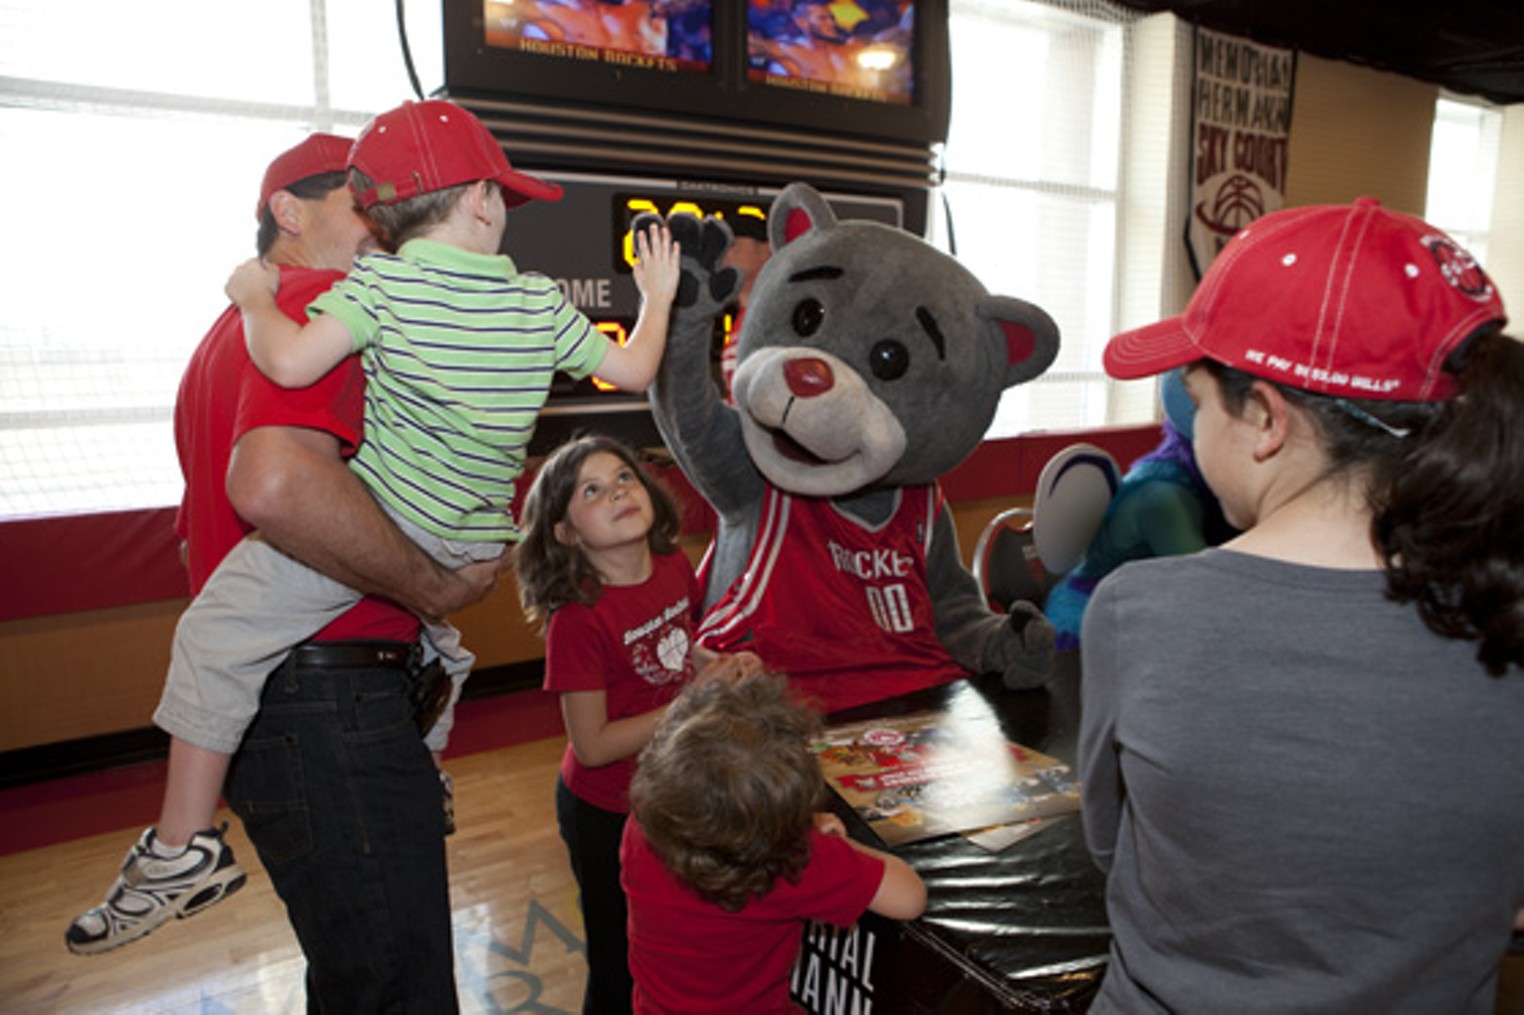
[1240,126]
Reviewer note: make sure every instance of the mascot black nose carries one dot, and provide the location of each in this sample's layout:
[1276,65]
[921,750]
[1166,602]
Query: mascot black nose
[808,377]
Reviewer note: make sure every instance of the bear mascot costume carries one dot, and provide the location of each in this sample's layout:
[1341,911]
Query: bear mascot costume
[868,365]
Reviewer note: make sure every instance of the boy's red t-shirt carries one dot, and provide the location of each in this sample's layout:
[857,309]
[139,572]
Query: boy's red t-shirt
[689,955]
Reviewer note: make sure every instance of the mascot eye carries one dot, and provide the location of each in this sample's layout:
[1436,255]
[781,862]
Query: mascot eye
[888,360]
[808,316]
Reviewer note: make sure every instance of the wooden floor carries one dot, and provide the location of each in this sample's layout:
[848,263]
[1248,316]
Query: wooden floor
[518,934]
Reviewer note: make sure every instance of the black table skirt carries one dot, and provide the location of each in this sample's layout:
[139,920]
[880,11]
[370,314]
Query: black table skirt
[1019,930]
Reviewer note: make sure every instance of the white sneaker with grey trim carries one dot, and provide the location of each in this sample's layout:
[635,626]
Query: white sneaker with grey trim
[152,889]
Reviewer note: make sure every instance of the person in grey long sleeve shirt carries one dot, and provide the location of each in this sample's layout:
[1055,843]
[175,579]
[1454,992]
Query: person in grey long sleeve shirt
[1307,791]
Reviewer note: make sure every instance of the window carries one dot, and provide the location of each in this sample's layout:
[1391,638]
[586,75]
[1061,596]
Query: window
[1032,187]
[145,129]
[1463,169]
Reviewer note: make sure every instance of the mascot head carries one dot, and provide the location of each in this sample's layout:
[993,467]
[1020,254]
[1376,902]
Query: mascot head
[869,358]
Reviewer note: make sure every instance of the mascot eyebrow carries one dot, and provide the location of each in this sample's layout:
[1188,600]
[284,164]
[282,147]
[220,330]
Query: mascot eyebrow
[929,323]
[810,274]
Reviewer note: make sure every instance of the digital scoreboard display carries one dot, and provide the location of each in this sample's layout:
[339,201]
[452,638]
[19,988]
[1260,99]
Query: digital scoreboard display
[583,242]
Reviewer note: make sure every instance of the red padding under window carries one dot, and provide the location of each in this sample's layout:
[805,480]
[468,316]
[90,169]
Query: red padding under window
[67,563]
[1010,467]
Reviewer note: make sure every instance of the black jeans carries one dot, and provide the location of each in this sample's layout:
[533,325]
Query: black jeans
[592,837]
[343,803]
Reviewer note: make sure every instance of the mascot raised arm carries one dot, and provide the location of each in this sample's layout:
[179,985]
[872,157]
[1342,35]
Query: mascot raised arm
[868,365]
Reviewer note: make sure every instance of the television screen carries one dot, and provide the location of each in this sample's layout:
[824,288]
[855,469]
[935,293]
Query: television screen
[861,49]
[663,35]
[873,70]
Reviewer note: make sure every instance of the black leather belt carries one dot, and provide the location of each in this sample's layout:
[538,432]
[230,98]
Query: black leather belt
[353,655]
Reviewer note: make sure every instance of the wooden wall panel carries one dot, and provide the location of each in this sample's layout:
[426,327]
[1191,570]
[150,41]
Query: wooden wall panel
[1358,132]
[88,673]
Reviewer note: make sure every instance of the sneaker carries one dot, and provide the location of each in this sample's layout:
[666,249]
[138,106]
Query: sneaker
[152,889]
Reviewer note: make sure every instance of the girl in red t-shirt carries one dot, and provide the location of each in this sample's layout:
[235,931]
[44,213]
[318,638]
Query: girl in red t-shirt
[600,569]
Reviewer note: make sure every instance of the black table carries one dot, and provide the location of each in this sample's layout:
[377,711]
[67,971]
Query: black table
[1019,930]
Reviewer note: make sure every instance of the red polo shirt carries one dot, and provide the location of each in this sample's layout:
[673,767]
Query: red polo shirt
[223,396]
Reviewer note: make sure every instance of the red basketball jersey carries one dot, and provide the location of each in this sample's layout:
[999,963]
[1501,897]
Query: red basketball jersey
[840,606]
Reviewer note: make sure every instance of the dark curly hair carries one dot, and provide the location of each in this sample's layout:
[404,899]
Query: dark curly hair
[1446,491]
[727,789]
[550,573]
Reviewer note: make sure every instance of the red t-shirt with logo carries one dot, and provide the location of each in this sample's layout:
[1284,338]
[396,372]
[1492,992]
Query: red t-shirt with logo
[635,644]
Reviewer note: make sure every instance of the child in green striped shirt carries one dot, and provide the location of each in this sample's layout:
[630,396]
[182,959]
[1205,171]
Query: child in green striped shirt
[459,350]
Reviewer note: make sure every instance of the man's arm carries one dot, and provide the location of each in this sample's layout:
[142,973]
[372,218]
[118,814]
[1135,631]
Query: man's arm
[291,484]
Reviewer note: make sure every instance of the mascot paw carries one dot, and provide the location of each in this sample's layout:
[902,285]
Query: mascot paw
[706,285]
[1027,648]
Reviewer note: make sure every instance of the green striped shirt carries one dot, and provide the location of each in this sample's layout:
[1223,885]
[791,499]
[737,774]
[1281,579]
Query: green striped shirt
[459,350]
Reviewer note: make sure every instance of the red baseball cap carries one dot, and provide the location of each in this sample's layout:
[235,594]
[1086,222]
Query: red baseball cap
[1351,300]
[318,153]
[421,147]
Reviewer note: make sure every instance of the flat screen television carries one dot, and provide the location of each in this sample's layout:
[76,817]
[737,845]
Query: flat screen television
[876,69]
[860,49]
[669,37]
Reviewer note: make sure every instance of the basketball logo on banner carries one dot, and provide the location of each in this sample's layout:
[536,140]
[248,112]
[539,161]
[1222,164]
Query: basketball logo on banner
[1240,126]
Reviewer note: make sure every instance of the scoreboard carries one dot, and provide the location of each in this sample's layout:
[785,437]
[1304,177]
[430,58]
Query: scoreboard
[582,242]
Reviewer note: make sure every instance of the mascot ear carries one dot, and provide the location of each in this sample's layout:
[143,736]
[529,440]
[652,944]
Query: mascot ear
[1025,336]
[797,211]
